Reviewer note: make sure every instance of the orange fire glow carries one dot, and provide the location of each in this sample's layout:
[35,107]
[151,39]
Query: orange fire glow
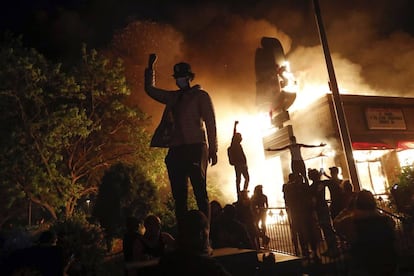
[266,172]
[253,126]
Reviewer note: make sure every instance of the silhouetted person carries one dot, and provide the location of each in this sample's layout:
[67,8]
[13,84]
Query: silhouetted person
[349,194]
[317,189]
[298,203]
[237,158]
[336,192]
[216,214]
[151,245]
[129,238]
[230,231]
[188,130]
[193,255]
[349,198]
[154,242]
[260,204]
[297,163]
[245,214]
[371,235]
[131,244]
[216,210]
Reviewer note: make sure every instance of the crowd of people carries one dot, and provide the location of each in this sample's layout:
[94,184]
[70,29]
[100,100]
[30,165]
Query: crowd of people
[240,224]
[234,225]
[369,234]
[351,221]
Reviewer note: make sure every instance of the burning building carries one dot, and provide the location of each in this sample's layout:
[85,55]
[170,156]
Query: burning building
[381,128]
[381,131]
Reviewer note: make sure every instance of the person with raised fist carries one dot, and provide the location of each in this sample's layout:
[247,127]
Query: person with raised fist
[188,130]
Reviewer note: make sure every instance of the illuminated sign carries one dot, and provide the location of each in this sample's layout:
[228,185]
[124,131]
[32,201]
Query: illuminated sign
[385,118]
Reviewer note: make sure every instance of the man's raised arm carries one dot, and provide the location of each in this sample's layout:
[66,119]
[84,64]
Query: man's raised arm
[277,149]
[313,146]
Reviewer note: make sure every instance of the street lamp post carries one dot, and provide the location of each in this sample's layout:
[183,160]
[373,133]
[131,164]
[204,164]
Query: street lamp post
[88,203]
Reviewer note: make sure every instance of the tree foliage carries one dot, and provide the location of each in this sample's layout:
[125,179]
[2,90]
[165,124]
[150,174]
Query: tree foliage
[62,128]
[85,241]
[403,192]
[37,122]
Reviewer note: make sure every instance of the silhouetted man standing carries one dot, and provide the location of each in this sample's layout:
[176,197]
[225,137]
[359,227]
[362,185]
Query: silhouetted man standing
[317,190]
[336,192]
[188,130]
[237,158]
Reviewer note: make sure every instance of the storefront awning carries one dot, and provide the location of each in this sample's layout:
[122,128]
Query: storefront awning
[371,146]
[402,145]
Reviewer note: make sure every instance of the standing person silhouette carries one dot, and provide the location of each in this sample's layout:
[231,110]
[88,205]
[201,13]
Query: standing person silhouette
[318,193]
[245,214]
[336,192]
[237,158]
[188,130]
[260,204]
[297,163]
[298,201]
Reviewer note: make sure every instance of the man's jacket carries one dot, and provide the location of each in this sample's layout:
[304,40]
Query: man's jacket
[188,117]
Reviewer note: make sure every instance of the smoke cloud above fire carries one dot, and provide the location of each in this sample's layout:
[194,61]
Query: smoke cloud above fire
[372,55]
[220,45]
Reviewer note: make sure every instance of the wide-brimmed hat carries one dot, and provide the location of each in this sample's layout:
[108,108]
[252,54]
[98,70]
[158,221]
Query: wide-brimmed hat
[183,69]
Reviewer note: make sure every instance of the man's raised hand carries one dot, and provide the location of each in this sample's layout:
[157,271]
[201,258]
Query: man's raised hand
[151,60]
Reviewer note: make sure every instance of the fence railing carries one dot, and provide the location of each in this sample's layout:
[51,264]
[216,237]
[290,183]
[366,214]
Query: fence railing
[282,240]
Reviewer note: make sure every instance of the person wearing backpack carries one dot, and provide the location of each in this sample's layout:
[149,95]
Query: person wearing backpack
[237,158]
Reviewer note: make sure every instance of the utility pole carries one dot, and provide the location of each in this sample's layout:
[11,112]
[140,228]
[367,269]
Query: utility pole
[339,111]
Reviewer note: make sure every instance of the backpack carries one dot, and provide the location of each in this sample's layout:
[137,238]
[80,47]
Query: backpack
[230,155]
[229,149]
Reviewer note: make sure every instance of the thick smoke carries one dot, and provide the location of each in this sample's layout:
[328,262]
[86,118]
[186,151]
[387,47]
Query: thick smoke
[220,40]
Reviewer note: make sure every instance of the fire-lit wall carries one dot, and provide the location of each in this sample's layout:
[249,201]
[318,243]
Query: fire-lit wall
[356,108]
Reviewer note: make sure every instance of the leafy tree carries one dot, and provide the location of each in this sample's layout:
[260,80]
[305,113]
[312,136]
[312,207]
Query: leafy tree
[85,241]
[36,123]
[403,192]
[118,130]
[61,130]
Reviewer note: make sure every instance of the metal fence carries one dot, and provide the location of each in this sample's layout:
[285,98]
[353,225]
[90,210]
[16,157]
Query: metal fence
[281,240]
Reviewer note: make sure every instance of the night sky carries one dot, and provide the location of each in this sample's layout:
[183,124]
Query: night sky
[371,42]
[58,27]
[375,38]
